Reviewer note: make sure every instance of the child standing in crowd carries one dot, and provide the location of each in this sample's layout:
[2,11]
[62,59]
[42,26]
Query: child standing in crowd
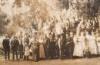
[26,48]
[26,52]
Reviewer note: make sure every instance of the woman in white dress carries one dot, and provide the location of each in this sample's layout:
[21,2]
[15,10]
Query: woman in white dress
[79,46]
[92,43]
[98,44]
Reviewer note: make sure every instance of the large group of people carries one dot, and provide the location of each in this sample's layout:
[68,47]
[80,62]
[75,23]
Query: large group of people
[39,46]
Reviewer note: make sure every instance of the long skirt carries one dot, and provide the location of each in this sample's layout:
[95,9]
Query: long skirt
[98,45]
[27,51]
[35,53]
[78,50]
[93,47]
[41,52]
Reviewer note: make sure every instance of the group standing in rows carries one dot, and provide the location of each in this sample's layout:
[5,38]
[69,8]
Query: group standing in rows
[37,46]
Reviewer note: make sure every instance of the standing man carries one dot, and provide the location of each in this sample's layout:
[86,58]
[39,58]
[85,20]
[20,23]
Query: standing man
[6,47]
[21,48]
[71,45]
[14,47]
[46,47]
[52,47]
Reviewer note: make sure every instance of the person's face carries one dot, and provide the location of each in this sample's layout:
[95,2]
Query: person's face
[71,34]
[67,36]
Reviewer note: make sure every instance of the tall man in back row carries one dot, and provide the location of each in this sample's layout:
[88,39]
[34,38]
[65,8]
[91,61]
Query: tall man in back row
[6,47]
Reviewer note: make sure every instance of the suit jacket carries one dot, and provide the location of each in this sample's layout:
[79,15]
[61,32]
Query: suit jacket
[6,45]
[14,44]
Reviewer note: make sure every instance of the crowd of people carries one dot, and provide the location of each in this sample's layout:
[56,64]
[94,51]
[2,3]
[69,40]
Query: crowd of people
[39,46]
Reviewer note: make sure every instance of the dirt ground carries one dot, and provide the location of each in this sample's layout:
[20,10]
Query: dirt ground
[84,61]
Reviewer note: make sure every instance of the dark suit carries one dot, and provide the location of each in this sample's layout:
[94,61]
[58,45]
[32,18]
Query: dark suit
[69,47]
[21,50]
[14,47]
[52,49]
[6,47]
[47,48]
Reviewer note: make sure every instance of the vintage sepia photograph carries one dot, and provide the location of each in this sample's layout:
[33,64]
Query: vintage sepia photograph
[49,32]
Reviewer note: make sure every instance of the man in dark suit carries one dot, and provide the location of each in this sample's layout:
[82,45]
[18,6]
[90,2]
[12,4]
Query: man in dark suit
[69,45]
[21,50]
[14,47]
[6,48]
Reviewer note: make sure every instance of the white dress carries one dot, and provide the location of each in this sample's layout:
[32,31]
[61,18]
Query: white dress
[92,44]
[98,44]
[27,50]
[79,47]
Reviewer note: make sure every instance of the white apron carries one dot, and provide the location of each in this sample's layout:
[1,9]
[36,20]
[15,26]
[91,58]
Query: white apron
[27,51]
[79,47]
[92,44]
